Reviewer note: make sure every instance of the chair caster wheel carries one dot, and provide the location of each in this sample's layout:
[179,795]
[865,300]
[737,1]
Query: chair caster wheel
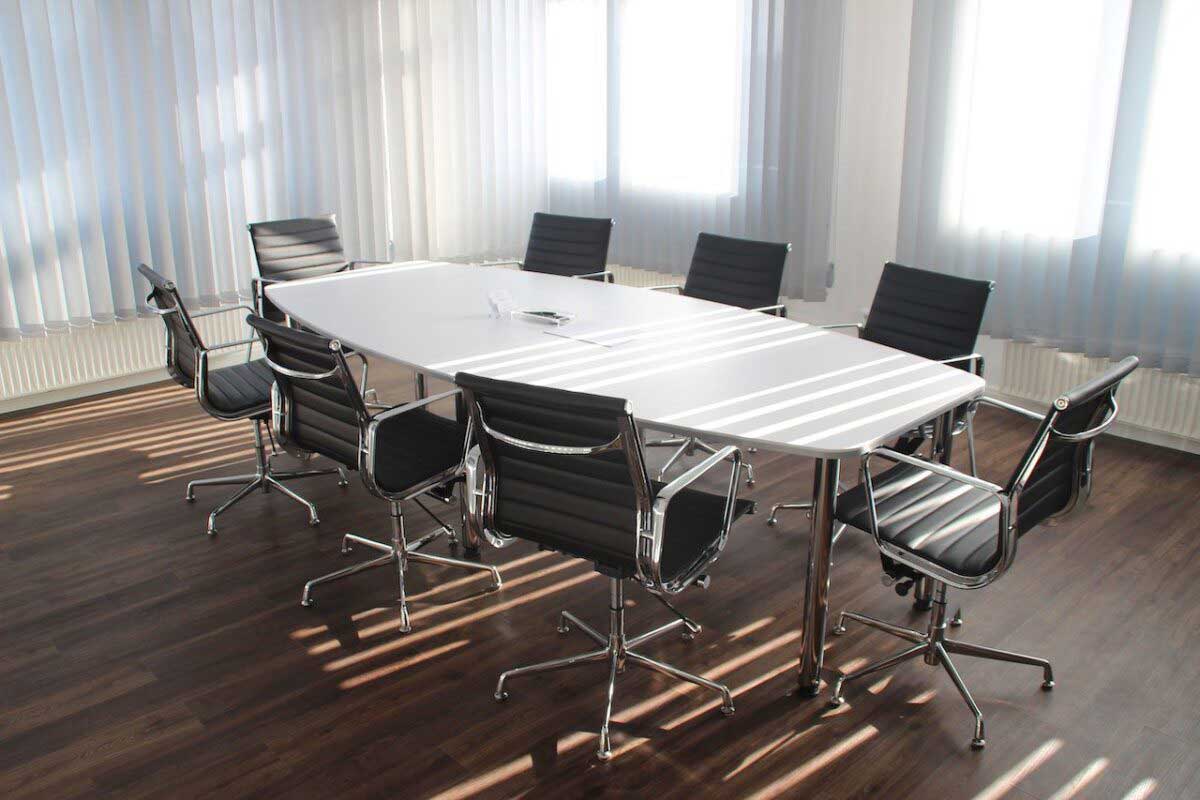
[307,602]
[313,522]
[1047,685]
[727,711]
[563,630]
[212,531]
[750,481]
[500,696]
[688,636]
[772,521]
[838,630]
[604,755]
[978,744]
[189,499]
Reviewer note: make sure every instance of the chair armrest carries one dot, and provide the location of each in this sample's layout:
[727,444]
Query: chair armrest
[363,262]
[973,360]
[382,418]
[933,467]
[665,287]
[1024,412]
[501,263]
[779,310]
[837,325]
[244,306]
[1006,533]
[603,275]
[396,411]
[650,542]
[253,340]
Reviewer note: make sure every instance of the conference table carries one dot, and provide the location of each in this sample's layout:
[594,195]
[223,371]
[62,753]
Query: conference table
[686,366]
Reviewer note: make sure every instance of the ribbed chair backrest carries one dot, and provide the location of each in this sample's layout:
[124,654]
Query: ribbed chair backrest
[736,272]
[305,247]
[585,505]
[183,340]
[929,314]
[1056,467]
[323,414]
[561,245]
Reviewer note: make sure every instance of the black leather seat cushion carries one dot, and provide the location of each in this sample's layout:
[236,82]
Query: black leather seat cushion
[242,389]
[593,517]
[948,523]
[415,446]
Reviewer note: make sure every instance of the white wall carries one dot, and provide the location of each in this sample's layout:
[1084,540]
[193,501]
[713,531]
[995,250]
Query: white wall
[870,149]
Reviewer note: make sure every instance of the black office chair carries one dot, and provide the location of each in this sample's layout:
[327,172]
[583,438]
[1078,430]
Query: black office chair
[574,247]
[565,470]
[291,249]
[239,391]
[932,315]
[304,247]
[958,530]
[734,272]
[403,453]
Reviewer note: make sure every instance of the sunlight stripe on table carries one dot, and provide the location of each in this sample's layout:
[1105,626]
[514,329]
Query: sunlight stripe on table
[661,354]
[593,334]
[817,395]
[659,343]
[858,402]
[932,400]
[783,387]
[709,359]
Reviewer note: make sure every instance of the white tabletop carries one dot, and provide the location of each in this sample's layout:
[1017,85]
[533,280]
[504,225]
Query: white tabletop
[685,365]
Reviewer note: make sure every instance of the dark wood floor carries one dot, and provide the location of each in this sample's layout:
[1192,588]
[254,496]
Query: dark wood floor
[138,658]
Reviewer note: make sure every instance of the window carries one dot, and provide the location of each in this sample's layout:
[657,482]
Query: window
[1034,96]
[576,89]
[1170,171]
[680,79]
[679,82]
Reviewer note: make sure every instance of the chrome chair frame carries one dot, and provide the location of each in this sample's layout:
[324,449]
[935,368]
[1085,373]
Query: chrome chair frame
[264,477]
[400,552]
[617,648]
[258,293]
[933,645]
[604,276]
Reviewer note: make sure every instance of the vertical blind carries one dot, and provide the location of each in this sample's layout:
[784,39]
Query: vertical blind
[135,130]
[1052,147]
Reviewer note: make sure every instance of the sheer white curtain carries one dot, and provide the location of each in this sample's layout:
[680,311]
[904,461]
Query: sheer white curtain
[681,116]
[145,131]
[1052,148]
[138,130]
[465,124]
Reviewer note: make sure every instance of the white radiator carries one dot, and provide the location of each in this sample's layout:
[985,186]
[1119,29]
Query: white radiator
[96,359]
[1156,406]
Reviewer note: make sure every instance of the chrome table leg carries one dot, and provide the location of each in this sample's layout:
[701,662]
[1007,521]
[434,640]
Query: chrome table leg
[816,590]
